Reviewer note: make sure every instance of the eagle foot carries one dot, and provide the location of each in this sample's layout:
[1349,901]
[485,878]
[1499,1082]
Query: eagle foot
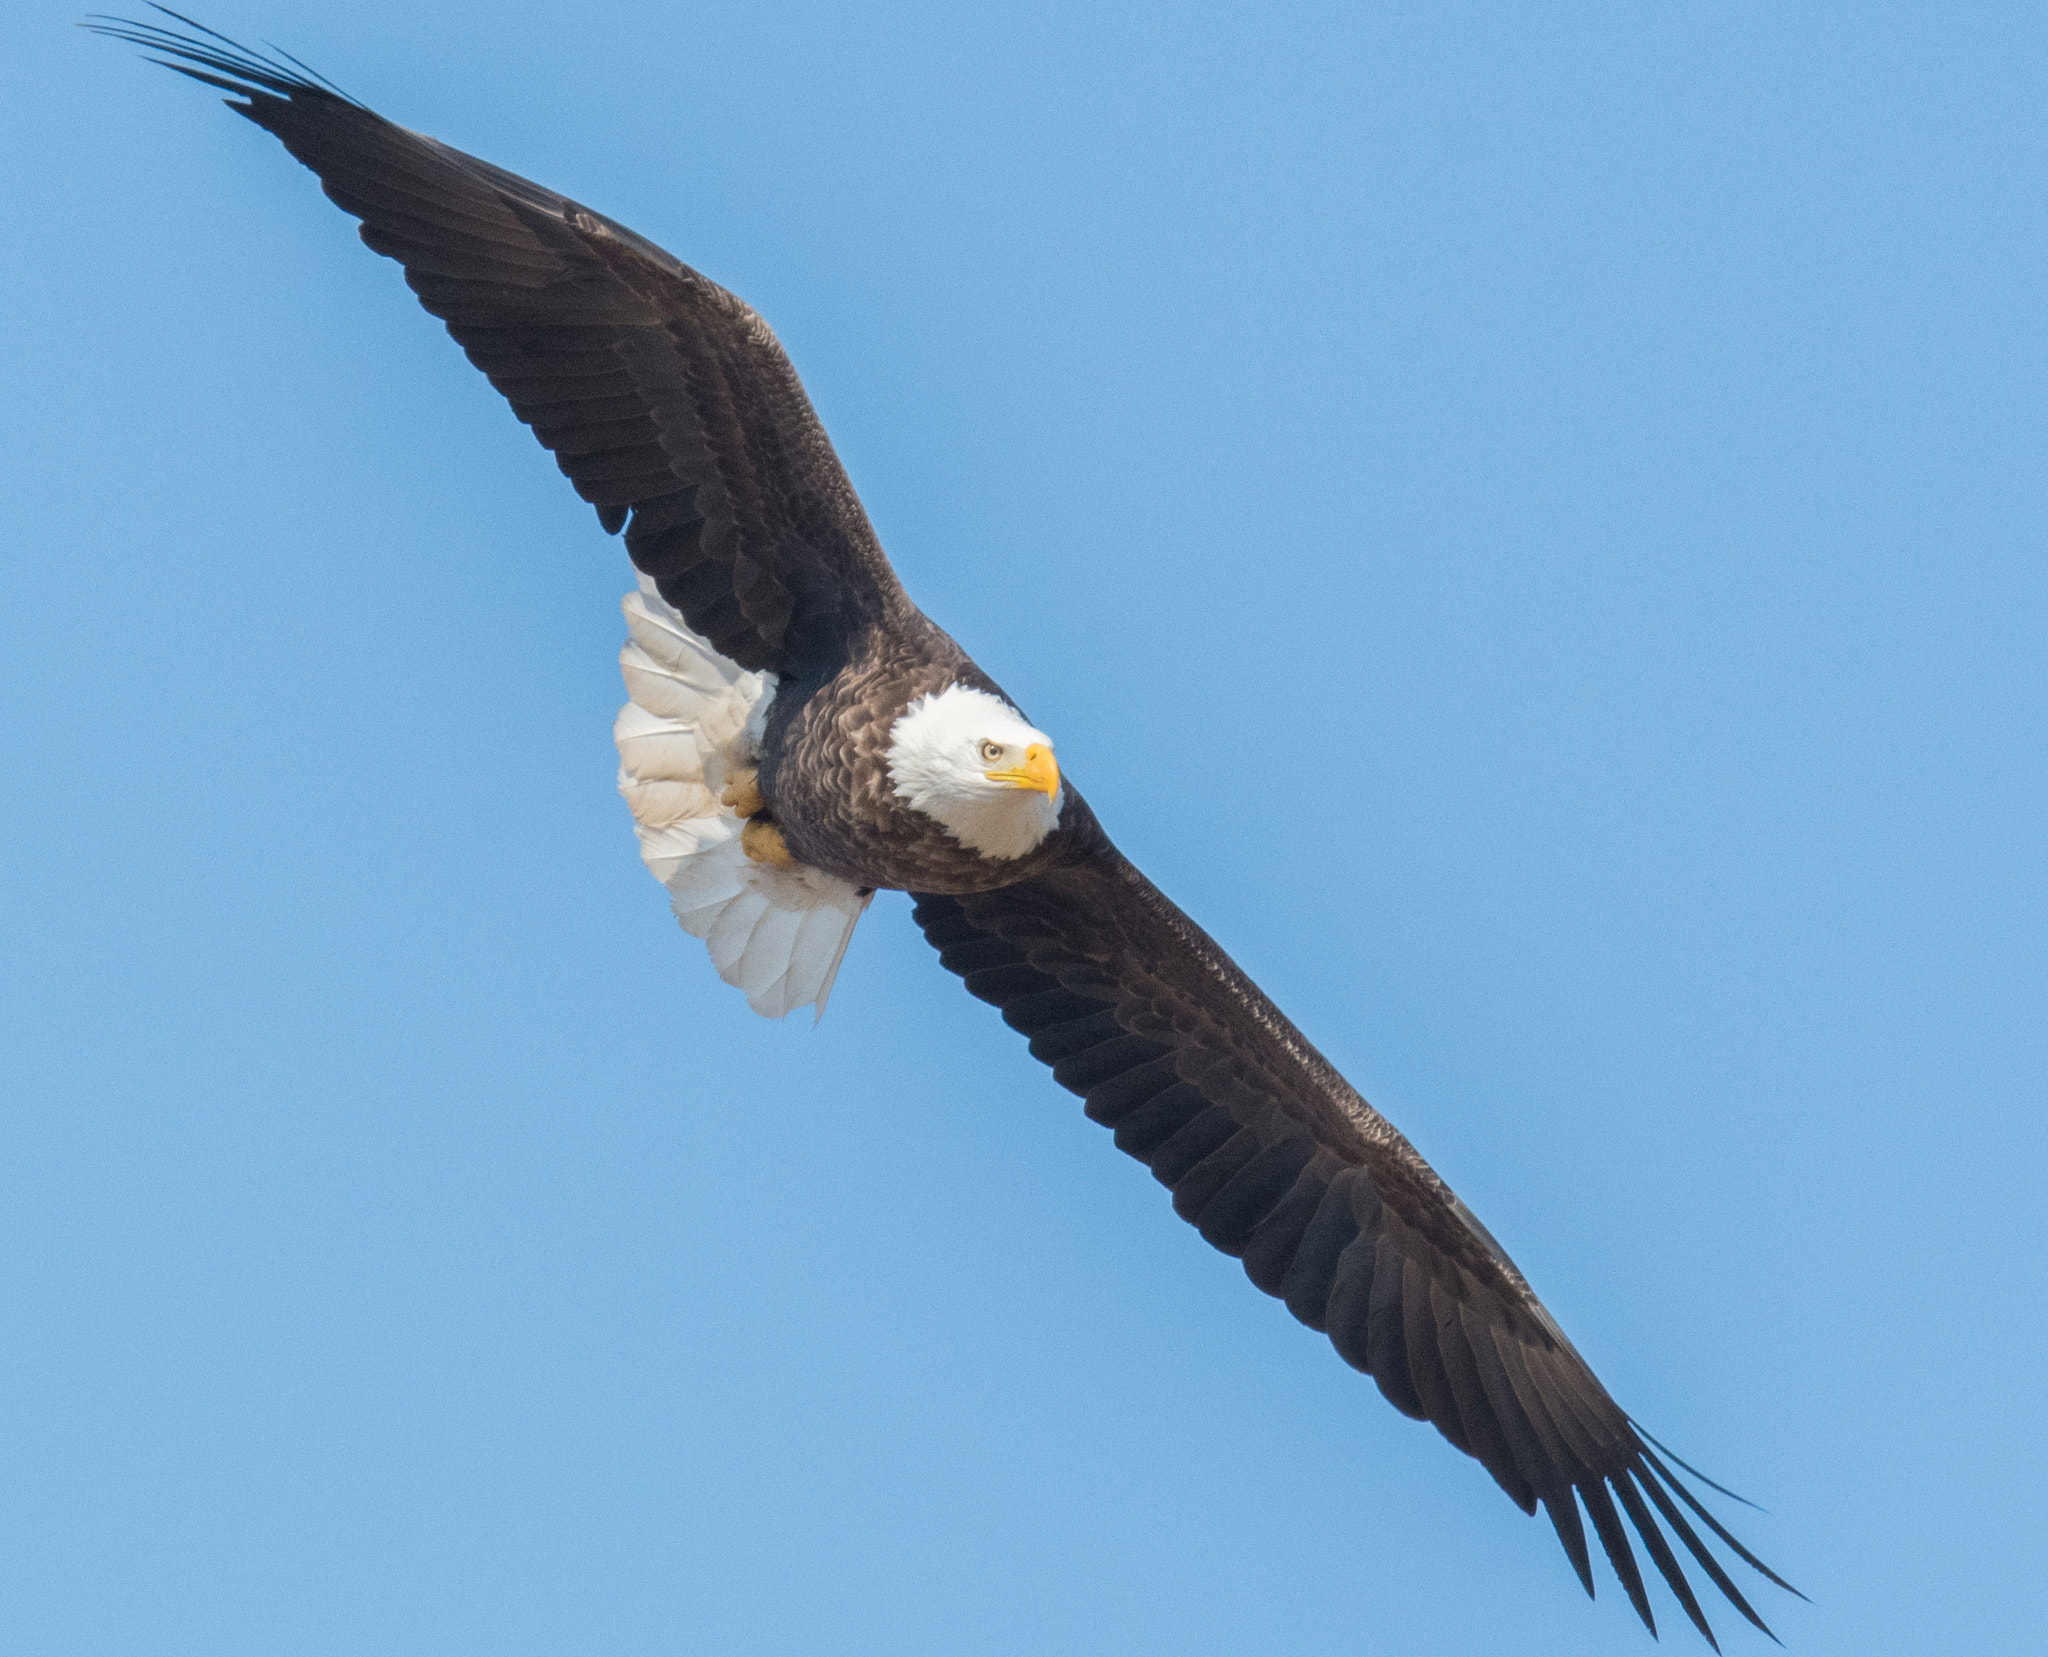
[743,794]
[762,841]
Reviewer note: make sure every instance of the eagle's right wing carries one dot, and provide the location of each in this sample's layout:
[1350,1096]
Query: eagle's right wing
[665,399]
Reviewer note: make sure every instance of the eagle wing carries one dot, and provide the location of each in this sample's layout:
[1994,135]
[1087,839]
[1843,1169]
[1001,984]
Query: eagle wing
[1276,1159]
[665,399]
[672,409]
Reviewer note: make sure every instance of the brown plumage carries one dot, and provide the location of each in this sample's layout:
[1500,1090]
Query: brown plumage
[673,411]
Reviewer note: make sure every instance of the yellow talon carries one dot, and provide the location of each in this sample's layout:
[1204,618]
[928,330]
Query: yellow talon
[743,793]
[763,842]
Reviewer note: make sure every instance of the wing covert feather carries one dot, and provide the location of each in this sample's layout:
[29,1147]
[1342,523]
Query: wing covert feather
[1276,1159]
[673,411]
[665,400]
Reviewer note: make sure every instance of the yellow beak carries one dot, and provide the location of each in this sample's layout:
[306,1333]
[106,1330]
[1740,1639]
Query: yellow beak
[1039,770]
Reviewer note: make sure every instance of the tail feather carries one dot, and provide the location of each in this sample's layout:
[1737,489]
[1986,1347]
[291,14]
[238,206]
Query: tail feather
[779,934]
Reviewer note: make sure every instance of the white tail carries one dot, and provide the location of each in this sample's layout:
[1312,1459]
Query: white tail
[694,719]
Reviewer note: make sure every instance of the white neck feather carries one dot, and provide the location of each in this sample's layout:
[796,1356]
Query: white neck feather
[933,763]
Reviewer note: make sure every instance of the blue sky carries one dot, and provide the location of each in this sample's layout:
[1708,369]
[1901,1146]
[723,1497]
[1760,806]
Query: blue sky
[1527,521]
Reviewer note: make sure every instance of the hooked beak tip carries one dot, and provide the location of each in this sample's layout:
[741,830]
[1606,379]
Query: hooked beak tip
[1042,770]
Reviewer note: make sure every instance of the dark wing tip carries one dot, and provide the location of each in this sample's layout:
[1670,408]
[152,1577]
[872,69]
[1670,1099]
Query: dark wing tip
[1564,1514]
[1661,1556]
[1645,1475]
[1546,1430]
[1699,1550]
[216,60]
[1614,1541]
[1670,1455]
[1715,1525]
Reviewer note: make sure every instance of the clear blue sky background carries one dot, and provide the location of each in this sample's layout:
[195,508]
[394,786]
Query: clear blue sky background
[1526,520]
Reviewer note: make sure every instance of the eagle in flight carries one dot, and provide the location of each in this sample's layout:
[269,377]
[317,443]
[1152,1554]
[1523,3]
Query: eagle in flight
[799,734]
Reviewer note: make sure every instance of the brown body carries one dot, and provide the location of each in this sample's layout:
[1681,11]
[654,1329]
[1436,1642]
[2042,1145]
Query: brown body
[674,412]
[825,773]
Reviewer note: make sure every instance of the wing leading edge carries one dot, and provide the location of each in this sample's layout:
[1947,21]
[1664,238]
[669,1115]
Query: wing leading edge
[665,400]
[1276,1160]
[673,411]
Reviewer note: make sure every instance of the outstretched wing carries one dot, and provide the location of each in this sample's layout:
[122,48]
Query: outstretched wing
[1277,1160]
[665,399]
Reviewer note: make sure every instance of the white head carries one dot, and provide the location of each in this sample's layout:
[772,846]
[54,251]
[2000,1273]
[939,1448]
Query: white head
[968,759]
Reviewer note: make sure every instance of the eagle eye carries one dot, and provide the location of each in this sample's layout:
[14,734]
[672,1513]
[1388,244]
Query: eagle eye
[991,752]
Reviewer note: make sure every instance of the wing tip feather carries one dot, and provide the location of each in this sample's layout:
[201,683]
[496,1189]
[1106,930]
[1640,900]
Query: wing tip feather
[277,75]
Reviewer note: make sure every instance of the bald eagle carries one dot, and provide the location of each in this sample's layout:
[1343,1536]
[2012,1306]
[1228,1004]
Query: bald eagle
[799,734]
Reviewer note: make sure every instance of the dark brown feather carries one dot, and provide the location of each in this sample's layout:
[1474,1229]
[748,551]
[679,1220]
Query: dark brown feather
[1272,1155]
[673,412]
[647,381]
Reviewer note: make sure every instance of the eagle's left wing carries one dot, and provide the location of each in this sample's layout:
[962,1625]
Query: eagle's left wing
[1276,1159]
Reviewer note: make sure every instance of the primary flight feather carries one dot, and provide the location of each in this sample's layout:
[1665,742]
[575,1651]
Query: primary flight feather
[799,735]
